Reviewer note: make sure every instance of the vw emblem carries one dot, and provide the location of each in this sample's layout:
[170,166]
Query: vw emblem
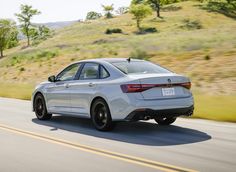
[169,82]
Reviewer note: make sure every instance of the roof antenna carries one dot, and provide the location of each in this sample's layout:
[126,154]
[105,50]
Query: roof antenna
[129,59]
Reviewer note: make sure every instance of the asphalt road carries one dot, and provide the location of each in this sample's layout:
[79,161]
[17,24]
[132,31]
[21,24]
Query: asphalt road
[72,144]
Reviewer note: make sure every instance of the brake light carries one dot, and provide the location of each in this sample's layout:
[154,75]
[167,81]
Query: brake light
[134,88]
[186,85]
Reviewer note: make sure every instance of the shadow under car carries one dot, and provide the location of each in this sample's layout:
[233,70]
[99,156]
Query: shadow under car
[143,133]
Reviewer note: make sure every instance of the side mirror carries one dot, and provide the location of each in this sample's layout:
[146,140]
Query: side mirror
[52,78]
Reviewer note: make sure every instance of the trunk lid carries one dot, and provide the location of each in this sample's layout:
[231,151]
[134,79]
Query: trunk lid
[163,86]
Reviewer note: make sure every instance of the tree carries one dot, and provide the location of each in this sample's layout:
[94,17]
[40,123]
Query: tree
[8,35]
[232,3]
[108,10]
[92,15]
[40,33]
[135,2]
[156,4]
[27,12]
[122,10]
[140,11]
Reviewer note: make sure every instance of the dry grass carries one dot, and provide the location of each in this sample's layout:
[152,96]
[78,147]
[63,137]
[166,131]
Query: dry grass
[16,90]
[220,108]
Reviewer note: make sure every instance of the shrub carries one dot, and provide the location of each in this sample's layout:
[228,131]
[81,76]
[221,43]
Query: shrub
[22,69]
[139,54]
[112,52]
[191,25]
[111,31]
[207,57]
[149,30]
[226,7]
[108,31]
[46,54]
[92,15]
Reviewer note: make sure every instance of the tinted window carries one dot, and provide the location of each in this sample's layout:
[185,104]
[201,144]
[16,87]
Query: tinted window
[69,73]
[90,71]
[142,67]
[103,73]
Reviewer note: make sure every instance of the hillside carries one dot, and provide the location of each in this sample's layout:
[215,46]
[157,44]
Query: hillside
[50,25]
[207,55]
[57,25]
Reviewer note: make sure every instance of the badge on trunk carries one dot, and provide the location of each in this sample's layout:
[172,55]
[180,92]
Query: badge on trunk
[169,82]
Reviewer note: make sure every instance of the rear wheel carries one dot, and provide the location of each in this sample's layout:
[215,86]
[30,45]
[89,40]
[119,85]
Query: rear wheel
[40,108]
[165,121]
[101,116]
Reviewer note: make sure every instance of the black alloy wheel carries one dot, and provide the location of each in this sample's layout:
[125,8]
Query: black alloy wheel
[101,116]
[40,108]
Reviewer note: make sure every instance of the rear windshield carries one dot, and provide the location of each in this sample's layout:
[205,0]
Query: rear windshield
[139,67]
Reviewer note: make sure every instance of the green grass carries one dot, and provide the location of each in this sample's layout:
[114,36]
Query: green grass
[220,108]
[16,90]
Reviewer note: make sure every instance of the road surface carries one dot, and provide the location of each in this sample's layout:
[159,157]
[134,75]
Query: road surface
[72,144]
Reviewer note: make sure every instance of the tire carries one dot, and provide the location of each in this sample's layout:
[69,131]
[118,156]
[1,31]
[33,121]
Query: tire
[40,108]
[165,121]
[101,116]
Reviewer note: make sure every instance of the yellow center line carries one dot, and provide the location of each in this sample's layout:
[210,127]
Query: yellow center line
[101,152]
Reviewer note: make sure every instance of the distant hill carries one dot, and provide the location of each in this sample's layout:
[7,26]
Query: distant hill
[59,24]
[190,40]
[52,25]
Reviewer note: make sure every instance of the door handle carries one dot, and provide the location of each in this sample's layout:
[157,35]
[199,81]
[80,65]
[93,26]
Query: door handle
[91,84]
[67,85]
[58,84]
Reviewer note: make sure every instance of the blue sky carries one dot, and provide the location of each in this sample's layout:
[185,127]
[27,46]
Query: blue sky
[57,10]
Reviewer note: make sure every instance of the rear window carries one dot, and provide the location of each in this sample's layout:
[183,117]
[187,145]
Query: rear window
[139,67]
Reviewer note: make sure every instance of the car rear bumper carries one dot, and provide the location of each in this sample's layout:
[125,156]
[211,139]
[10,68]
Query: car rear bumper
[145,114]
[122,108]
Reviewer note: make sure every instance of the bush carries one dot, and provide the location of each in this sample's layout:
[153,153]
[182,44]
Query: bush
[92,15]
[226,7]
[111,31]
[41,34]
[139,54]
[191,25]
[15,60]
[150,30]
[46,54]
[207,57]
[112,52]
[22,69]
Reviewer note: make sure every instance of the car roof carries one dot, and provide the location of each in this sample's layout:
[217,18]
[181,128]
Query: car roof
[110,60]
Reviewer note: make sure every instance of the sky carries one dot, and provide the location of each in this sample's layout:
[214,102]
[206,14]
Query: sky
[57,10]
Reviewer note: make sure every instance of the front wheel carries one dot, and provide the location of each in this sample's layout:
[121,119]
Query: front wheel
[165,121]
[40,108]
[101,116]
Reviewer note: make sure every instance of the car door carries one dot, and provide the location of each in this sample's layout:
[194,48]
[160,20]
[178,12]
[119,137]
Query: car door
[84,89]
[58,94]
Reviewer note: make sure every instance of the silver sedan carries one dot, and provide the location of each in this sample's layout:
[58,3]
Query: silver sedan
[114,89]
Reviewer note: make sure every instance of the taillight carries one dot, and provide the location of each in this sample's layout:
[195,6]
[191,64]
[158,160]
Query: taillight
[134,88]
[186,85]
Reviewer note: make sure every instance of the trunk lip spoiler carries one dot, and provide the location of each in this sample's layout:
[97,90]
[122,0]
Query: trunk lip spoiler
[131,88]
